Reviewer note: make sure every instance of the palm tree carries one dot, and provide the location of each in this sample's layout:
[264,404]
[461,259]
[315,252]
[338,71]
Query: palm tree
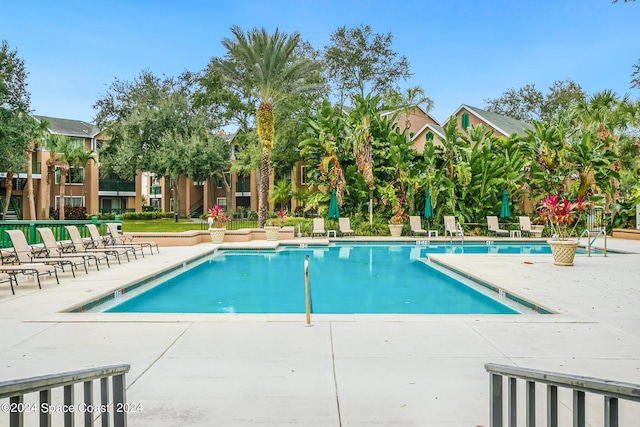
[266,63]
[406,103]
[366,110]
[281,194]
[37,138]
[65,153]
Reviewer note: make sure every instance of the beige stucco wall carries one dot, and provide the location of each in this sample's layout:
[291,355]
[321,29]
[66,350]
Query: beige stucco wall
[188,238]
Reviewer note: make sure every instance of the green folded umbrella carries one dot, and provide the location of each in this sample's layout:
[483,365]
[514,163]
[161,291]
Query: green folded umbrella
[505,212]
[334,210]
[428,209]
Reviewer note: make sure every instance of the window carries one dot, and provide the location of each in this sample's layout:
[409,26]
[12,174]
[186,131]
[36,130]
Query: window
[222,202]
[303,175]
[73,201]
[429,136]
[465,120]
[75,175]
[286,175]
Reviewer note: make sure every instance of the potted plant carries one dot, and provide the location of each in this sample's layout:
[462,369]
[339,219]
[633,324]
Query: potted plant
[272,230]
[217,223]
[563,216]
[397,220]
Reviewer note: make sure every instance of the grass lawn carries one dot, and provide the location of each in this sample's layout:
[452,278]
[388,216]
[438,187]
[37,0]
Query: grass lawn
[169,225]
[165,224]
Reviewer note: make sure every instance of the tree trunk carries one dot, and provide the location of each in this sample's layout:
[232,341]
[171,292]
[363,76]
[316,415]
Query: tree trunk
[47,204]
[227,188]
[264,188]
[63,180]
[30,198]
[176,195]
[266,131]
[7,198]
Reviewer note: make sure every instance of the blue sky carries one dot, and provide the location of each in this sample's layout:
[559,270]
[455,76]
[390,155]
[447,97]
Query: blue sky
[460,51]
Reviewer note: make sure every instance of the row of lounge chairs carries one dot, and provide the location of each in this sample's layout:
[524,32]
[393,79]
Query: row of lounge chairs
[344,227]
[45,258]
[451,227]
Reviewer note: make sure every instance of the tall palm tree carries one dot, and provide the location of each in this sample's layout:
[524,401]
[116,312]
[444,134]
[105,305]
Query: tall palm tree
[37,138]
[65,153]
[267,64]
[405,103]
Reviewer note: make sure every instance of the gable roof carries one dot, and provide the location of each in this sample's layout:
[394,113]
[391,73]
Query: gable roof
[503,124]
[75,128]
[435,129]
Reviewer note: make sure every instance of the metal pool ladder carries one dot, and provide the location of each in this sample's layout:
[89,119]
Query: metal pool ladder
[590,241]
[459,232]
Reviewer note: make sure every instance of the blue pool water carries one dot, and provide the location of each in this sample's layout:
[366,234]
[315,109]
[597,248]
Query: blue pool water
[351,278]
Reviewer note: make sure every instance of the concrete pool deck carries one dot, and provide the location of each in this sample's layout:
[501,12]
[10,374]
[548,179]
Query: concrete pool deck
[347,370]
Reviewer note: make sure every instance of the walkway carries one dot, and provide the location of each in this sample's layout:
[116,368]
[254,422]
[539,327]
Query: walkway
[355,370]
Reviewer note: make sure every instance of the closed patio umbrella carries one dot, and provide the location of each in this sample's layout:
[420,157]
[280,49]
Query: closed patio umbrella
[428,210]
[334,210]
[505,212]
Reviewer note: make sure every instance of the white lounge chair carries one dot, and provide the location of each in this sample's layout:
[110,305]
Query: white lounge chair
[53,247]
[526,227]
[494,227]
[416,226]
[318,227]
[116,237]
[99,241]
[80,247]
[27,255]
[344,225]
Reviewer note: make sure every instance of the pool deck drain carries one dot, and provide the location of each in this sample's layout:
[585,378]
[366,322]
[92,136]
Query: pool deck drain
[226,369]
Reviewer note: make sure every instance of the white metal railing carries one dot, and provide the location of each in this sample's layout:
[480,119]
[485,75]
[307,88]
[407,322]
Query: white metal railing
[590,241]
[611,390]
[461,233]
[15,390]
[602,232]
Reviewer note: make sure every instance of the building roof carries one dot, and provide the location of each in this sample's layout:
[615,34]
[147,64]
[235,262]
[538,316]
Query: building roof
[435,129]
[75,128]
[503,124]
[389,113]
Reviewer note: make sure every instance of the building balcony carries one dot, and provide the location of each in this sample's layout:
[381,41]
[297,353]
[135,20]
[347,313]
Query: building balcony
[114,187]
[243,187]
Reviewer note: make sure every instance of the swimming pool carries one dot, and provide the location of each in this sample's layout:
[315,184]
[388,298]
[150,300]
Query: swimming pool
[345,279]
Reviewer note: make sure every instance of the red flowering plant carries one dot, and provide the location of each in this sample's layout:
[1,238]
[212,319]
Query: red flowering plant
[562,216]
[218,217]
[282,215]
[399,216]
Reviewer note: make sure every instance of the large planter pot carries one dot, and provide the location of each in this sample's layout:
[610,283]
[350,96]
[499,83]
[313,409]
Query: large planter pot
[396,230]
[563,251]
[217,234]
[272,232]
